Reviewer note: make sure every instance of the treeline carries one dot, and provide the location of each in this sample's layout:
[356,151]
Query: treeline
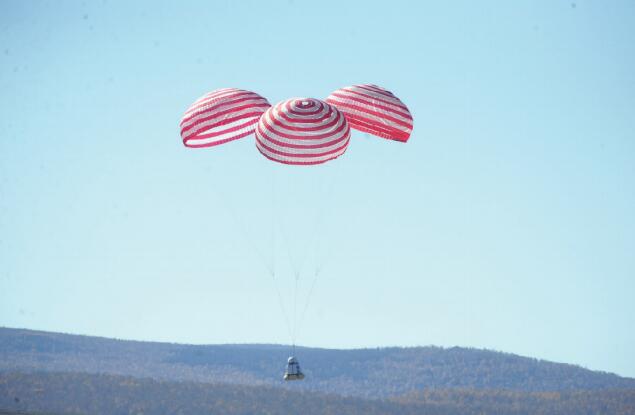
[72,393]
[69,393]
[610,401]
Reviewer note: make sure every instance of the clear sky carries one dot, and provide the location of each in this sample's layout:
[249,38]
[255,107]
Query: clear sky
[506,222]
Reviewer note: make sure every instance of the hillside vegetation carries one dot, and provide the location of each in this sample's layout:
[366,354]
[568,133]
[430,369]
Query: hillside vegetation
[362,373]
[52,373]
[72,393]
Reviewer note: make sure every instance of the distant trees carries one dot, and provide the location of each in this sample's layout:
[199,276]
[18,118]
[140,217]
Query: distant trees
[440,380]
[493,402]
[73,393]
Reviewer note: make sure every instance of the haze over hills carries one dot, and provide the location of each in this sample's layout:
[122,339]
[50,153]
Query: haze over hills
[364,373]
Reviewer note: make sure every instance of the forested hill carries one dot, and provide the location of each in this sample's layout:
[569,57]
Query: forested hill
[77,393]
[386,372]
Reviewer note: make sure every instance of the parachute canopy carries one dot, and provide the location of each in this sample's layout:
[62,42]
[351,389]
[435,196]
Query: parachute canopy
[300,131]
[221,116]
[374,110]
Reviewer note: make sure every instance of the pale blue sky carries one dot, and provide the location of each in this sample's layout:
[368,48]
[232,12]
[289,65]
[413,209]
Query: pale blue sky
[506,222]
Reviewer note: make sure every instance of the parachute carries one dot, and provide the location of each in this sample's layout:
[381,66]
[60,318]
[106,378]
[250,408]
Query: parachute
[298,131]
[295,132]
[302,131]
[374,110]
[221,116]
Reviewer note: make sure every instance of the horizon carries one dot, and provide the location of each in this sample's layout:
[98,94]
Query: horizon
[504,223]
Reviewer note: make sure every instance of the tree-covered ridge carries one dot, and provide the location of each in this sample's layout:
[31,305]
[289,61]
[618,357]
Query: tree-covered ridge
[73,393]
[364,373]
[474,401]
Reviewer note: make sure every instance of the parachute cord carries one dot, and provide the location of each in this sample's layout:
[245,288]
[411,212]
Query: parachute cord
[328,195]
[314,245]
[308,300]
[298,261]
[273,222]
[295,307]
[287,246]
[273,253]
[296,272]
[242,230]
[318,230]
[282,307]
[270,266]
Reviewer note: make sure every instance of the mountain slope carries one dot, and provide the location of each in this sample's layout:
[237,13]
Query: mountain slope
[363,373]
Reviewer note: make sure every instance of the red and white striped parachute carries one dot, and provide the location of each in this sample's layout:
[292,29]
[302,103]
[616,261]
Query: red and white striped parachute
[302,131]
[299,131]
[221,116]
[374,110]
